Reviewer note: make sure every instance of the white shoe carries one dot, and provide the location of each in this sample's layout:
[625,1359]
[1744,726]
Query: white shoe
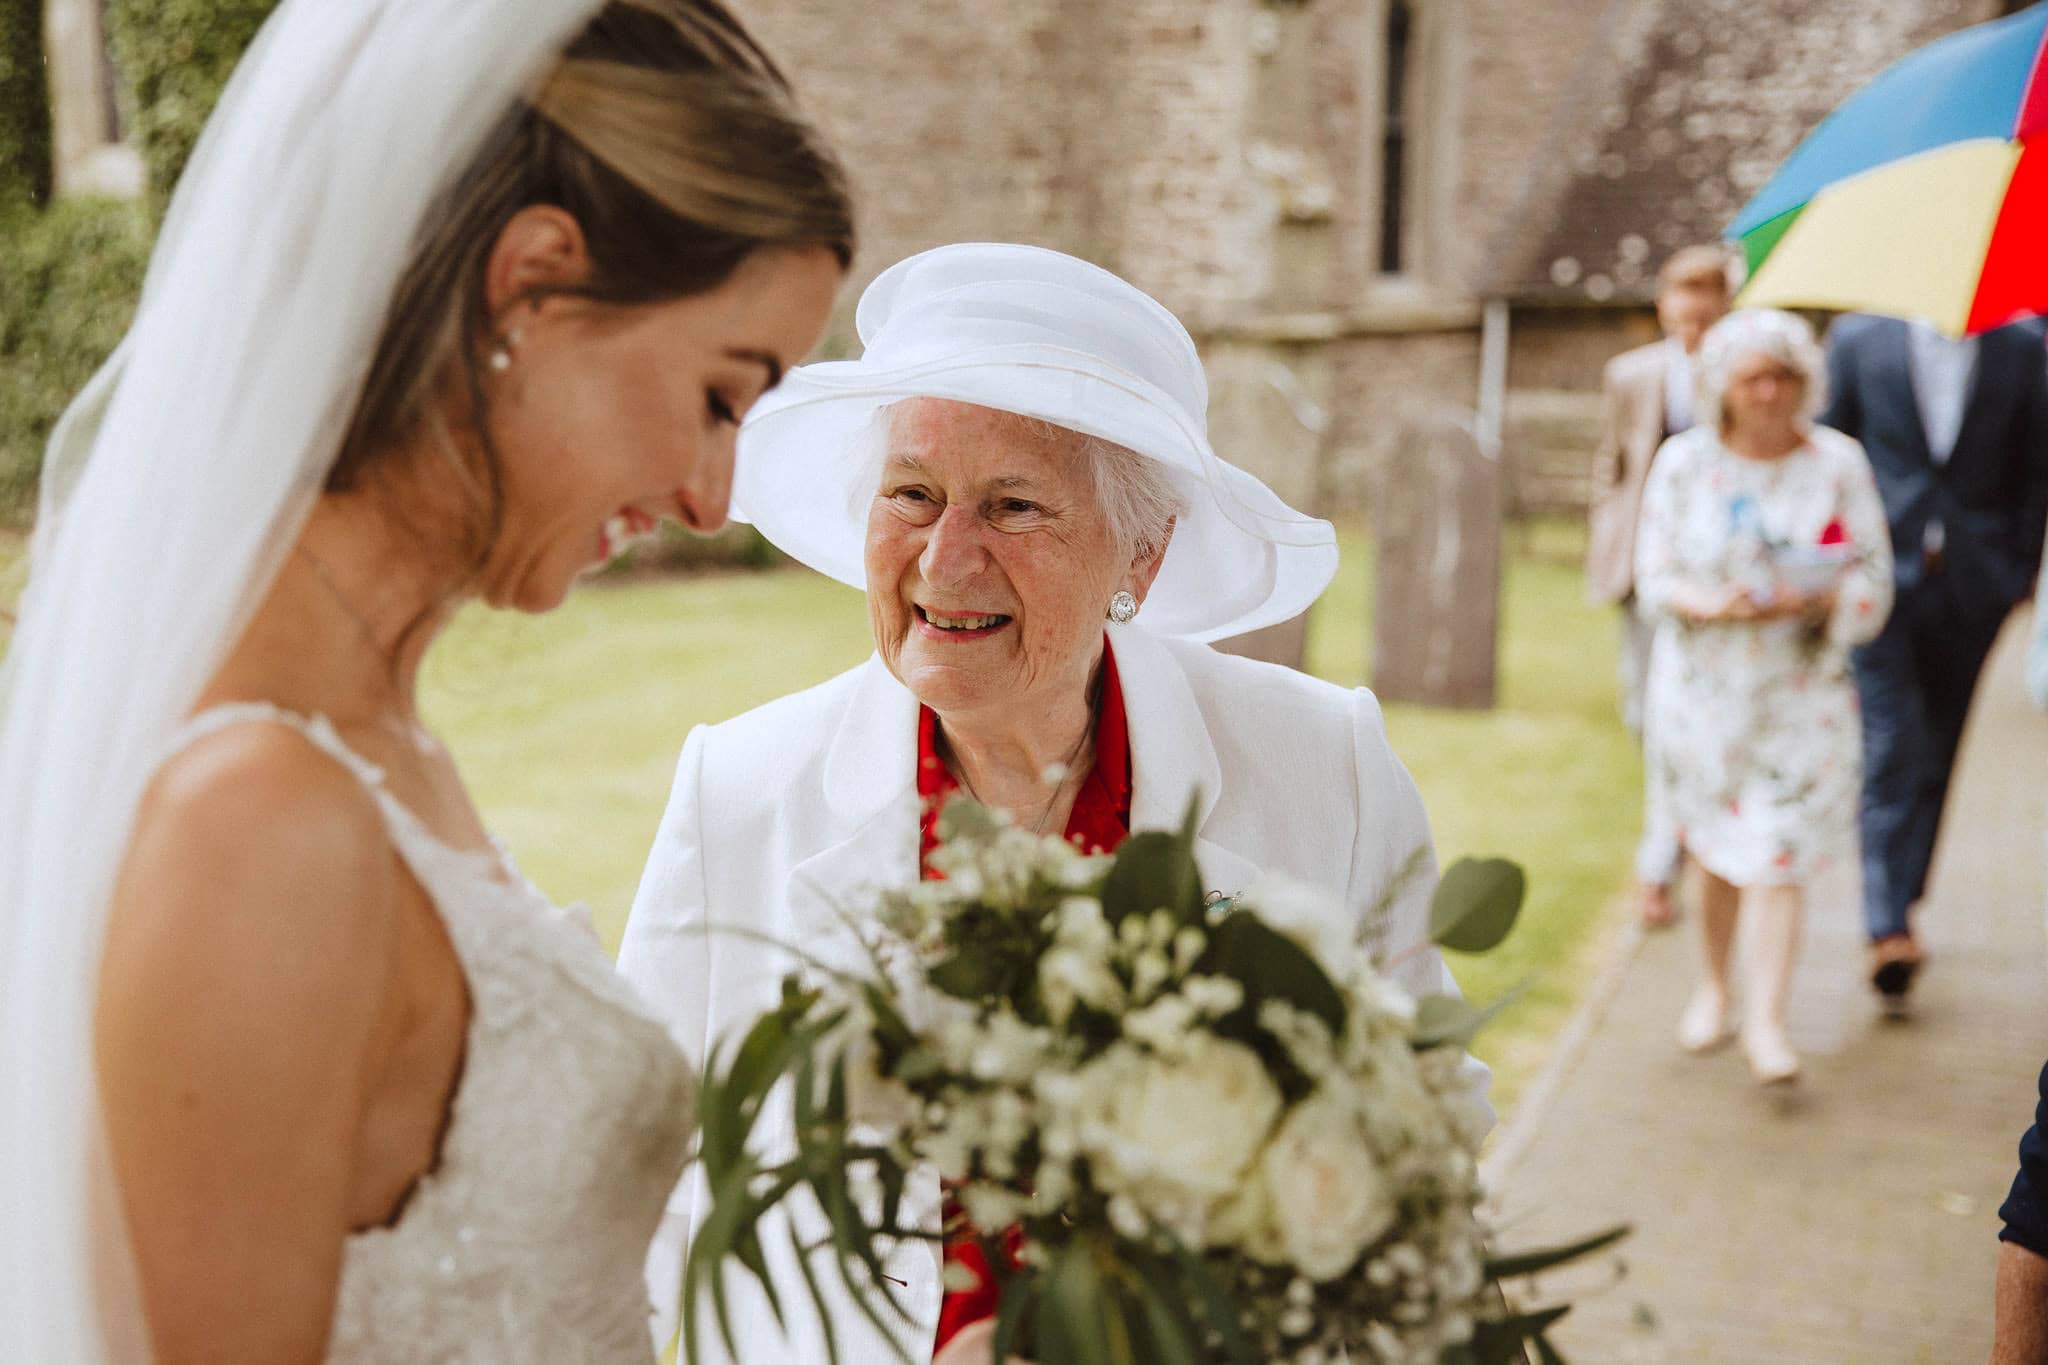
[1771,1058]
[1704,1025]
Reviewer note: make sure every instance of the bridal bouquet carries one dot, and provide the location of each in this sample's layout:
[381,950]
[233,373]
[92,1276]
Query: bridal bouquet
[1183,1127]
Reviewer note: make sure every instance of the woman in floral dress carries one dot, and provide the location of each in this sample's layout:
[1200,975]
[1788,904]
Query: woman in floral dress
[1764,549]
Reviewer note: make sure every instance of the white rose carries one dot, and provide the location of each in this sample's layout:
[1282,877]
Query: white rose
[1326,1196]
[1179,1133]
[1309,916]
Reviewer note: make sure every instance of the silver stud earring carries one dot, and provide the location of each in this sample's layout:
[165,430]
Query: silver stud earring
[1122,606]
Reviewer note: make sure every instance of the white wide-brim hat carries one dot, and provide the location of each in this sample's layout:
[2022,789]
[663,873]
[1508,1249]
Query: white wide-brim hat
[1039,333]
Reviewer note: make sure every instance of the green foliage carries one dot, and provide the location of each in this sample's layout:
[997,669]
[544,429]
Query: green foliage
[1094,1296]
[675,550]
[71,274]
[1271,966]
[68,282]
[175,55]
[1475,904]
[24,106]
[1450,1020]
[1155,870]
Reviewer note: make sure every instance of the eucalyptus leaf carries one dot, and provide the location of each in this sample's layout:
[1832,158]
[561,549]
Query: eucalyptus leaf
[966,975]
[1154,870]
[1476,903]
[1271,966]
[1450,1020]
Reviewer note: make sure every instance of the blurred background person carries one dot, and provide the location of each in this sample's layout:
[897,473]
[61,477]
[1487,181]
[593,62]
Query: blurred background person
[1955,431]
[1763,546]
[2023,1254]
[2037,647]
[1647,399]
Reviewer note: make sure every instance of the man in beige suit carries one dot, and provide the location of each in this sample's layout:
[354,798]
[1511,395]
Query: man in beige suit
[1648,393]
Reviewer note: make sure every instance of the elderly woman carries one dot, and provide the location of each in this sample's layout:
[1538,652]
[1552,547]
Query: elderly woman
[1764,546]
[1018,473]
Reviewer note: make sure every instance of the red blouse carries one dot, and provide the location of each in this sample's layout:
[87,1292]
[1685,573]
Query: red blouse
[1100,821]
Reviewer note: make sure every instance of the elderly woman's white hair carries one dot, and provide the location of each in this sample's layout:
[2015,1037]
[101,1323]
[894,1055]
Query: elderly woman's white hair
[1137,496]
[1747,332]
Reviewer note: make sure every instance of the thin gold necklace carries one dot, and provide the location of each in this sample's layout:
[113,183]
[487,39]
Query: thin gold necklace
[348,608]
[1066,773]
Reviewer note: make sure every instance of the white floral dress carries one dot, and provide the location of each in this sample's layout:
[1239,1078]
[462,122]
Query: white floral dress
[1751,735]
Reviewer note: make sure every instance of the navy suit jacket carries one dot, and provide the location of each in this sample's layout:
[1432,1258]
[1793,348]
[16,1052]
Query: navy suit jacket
[1991,496]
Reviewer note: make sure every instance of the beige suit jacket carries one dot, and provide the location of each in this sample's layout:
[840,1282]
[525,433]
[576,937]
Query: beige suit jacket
[1631,429]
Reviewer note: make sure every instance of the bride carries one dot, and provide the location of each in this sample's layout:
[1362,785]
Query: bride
[456,296]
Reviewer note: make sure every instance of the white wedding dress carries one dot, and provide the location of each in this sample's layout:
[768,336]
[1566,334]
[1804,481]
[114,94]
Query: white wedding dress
[528,1239]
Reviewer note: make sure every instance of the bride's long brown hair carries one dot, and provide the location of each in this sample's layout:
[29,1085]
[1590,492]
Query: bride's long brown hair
[674,141]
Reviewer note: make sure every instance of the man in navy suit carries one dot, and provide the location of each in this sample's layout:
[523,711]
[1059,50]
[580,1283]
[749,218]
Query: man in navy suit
[1957,433]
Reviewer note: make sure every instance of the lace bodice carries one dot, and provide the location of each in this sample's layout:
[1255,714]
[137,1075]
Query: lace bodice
[527,1240]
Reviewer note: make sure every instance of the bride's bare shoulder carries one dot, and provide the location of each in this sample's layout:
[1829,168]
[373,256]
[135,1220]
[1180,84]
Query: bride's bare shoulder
[253,845]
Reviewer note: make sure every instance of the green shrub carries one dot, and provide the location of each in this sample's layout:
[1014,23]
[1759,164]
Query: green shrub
[175,56]
[70,274]
[68,283]
[675,550]
[24,105]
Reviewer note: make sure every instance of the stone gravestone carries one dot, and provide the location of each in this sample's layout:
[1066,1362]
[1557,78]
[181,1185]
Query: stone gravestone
[1261,420]
[1436,598]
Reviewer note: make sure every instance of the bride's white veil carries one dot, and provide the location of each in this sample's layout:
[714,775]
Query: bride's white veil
[174,487]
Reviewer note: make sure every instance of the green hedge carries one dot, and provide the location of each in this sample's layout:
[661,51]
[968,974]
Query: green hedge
[68,283]
[70,273]
[175,55]
[24,105]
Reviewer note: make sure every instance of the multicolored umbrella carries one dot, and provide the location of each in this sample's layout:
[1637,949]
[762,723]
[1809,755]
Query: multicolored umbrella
[1925,195]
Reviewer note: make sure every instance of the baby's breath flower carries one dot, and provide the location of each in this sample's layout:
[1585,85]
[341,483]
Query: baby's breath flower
[1126,1218]
[1213,996]
[990,1207]
[1149,973]
[1162,1025]
[1305,1036]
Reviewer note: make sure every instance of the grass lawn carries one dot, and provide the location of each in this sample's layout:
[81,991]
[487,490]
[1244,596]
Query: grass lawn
[1549,778]
[567,728]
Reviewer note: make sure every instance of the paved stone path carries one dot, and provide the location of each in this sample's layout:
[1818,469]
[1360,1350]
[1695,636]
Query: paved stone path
[1852,1216]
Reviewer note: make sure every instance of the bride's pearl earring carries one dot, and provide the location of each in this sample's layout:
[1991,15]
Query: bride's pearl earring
[1122,606]
[501,354]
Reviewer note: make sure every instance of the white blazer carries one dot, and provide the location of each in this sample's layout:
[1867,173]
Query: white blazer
[782,816]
